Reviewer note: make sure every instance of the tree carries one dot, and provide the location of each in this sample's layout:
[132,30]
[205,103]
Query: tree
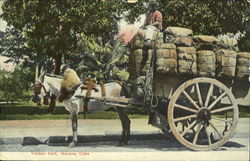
[13,45]
[106,63]
[15,86]
[208,17]
[51,27]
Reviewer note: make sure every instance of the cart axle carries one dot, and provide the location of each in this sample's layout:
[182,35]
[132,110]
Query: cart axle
[204,114]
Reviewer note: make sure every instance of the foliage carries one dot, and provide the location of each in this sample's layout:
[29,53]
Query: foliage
[208,17]
[244,43]
[29,111]
[15,85]
[13,45]
[51,27]
[105,62]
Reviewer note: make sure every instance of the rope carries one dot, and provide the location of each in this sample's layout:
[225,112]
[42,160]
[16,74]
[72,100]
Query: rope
[148,88]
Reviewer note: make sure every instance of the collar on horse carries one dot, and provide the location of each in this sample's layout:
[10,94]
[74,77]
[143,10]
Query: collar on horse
[89,84]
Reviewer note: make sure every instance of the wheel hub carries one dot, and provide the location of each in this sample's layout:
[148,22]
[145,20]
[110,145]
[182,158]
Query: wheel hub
[204,114]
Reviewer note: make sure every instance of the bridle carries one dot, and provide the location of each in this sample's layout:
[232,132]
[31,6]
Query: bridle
[38,90]
[41,86]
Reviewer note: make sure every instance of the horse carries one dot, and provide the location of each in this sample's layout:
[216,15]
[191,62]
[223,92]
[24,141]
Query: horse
[74,104]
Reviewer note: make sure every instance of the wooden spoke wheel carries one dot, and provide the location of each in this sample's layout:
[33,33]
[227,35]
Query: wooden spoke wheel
[208,110]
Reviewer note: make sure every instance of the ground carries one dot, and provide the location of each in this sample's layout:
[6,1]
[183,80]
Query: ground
[100,137]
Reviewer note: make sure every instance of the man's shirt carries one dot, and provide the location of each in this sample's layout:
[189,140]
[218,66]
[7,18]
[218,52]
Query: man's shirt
[153,17]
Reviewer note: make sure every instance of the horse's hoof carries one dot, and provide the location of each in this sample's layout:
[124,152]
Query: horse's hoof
[71,145]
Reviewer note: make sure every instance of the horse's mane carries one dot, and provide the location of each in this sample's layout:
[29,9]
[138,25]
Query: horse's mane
[70,80]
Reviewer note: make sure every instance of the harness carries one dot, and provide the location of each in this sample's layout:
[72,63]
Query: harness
[90,84]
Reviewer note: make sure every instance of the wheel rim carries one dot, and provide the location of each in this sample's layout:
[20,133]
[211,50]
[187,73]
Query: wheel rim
[208,122]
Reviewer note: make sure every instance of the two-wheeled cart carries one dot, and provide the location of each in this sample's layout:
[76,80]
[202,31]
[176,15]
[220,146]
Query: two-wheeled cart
[201,112]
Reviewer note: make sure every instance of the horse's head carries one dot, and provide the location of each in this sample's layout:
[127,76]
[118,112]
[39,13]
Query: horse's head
[39,91]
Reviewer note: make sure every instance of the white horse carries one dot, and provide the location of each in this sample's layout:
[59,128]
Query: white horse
[74,104]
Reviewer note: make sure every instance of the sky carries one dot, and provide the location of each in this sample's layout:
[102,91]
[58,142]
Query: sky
[2,22]
[6,66]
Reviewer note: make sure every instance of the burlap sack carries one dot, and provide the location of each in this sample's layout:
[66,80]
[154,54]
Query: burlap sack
[166,66]
[243,59]
[178,31]
[243,65]
[179,41]
[187,67]
[166,60]
[228,43]
[137,42]
[242,72]
[161,62]
[227,72]
[167,46]
[159,40]
[186,53]
[139,62]
[187,60]
[205,46]
[203,42]
[206,63]
[205,39]
[166,53]
[226,63]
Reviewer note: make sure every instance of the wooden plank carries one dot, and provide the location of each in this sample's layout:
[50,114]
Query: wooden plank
[117,100]
[121,105]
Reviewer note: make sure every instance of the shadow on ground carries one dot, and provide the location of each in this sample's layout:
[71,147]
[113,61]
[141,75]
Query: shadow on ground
[150,141]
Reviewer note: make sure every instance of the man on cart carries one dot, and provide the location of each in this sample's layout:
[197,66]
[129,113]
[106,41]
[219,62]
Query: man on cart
[153,21]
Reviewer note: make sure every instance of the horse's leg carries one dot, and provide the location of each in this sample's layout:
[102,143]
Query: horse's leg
[74,128]
[125,126]
[52,104]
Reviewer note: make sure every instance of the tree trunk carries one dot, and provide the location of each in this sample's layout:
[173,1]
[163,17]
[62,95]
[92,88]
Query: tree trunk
[58,63]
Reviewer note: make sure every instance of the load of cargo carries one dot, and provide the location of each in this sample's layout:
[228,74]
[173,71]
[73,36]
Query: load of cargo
[178,51]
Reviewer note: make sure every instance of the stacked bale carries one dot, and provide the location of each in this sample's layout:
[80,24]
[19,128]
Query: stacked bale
[228,44]
[182,38]
[139,62]
[184,53]
[243,65]
[166,59]
[226,57]
[138,40]
[187,60]
[179,36]
[226,63]
[140,58]
[206,59]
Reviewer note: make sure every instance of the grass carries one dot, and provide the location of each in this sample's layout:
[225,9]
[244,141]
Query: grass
[29,111]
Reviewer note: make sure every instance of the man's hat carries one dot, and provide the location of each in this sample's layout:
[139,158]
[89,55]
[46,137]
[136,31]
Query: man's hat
[150,2]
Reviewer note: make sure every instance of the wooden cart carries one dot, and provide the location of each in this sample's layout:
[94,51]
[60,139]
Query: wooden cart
[201,113]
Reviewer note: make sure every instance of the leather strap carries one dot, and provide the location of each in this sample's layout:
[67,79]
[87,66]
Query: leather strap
[90,85]
[103,90]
